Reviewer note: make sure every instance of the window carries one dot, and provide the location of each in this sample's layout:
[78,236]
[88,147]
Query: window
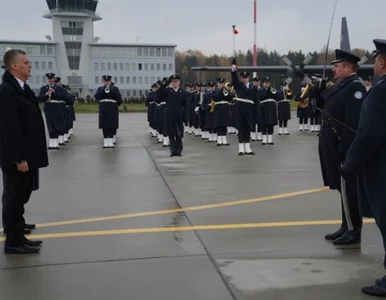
[170,52]
[134,80]
[146,66]
[152,80]
[49,50]
[127,67]
[43,65]
[146,80]
[43,49]
[127,80]
[50,66]
[37,79]
[122,80]
[158,52]
[140,93]
[96,79]
[96,67]
[115,66]
[134,93]
[151,53]
[128,93]
[164,52]
[152,67]
[164,67]
[145,51]
[121,66]
[36,65]
[44,79]
[139,51]
[134,67]
[103,66]
[158,67]
[140,80]
[115,79]
[170,67]
[108,66]
[140,67]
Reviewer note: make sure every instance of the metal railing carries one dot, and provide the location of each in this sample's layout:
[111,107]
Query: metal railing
[71,10]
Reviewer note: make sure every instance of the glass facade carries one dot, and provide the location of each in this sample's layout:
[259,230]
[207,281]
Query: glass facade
[87,6]
[73,36]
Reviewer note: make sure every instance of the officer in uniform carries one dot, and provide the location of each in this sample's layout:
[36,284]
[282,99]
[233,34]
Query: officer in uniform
[222,99]
[70,110]
[268,110]
[53,95]
[208,106]
[245,105]
[110,99]
[256,136]
[67,100]
[341,105]
[152,110]
[176,99]
[366,156]
[304,110]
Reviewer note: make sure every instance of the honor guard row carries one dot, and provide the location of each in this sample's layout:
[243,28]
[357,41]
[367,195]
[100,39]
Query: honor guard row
[59,111]
[109,99]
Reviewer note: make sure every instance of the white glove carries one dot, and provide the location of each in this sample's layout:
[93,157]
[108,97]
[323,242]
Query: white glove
[234,68]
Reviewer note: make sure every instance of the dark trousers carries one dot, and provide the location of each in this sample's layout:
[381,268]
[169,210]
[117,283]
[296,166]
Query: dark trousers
[283,123]
[267,129]
[244,136]
[176,145]
[17,191]
[304,121]
[221,130]
[350,208]
[53,135]
[109,133]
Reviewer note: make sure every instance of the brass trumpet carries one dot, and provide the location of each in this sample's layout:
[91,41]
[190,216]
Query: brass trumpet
[227,89]
[107,89]
[212,105]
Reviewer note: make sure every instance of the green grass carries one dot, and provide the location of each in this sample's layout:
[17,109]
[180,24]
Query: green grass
[130,108]
[124,108]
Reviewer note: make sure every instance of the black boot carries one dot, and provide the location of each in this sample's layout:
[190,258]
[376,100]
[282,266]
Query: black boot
[336,234]
[349,238]
[378,290]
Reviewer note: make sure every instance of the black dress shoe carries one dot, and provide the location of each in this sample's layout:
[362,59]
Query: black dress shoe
[376,290]
[30,226]
[349,238]
[336,234]
[32,243]
[250,153]
[21,250]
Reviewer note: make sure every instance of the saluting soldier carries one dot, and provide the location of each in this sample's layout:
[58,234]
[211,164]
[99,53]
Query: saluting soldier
[342,104]
[176,99]
[109,98]
[366,156]
[53,95]
[245,103]
[268,110]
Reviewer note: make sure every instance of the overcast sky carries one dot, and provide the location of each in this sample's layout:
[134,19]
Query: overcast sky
[206,25]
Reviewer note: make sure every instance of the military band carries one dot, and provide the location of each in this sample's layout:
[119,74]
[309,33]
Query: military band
[56,99]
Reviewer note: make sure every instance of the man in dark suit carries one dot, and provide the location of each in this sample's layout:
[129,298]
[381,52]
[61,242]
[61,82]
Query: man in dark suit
[23,149]
[366,157]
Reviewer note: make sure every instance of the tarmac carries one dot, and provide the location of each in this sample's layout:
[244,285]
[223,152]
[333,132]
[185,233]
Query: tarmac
[134,223]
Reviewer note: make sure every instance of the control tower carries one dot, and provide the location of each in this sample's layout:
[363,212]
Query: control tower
[73,30]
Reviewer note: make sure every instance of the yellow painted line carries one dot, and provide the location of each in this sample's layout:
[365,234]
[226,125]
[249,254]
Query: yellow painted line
[177,210]
[185,228]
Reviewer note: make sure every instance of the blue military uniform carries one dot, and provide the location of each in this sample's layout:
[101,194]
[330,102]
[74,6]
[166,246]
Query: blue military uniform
[209,113]
[245,103]
[342,102]
[53,112]
[366,158]
[152,111]
[109,98]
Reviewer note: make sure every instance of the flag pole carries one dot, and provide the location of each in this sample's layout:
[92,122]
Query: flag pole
[234,40]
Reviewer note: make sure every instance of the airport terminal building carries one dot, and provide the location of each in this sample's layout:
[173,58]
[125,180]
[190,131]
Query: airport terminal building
[75,54]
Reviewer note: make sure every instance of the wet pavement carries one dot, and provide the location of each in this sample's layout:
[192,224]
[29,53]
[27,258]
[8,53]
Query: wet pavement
[209,229]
